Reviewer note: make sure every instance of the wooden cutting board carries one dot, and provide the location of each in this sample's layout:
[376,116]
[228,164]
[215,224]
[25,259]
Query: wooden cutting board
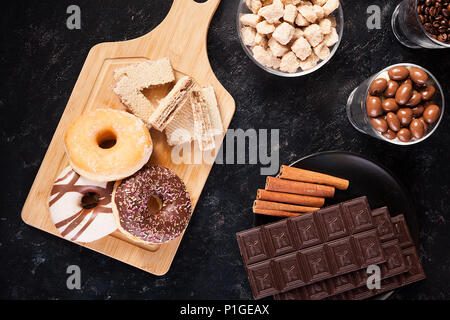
[182,38]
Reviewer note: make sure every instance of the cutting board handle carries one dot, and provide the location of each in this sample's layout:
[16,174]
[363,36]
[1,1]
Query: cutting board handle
[206,4]
[184,29]
[188,13]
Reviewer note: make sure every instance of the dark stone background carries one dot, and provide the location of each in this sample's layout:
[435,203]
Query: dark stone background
[40,62]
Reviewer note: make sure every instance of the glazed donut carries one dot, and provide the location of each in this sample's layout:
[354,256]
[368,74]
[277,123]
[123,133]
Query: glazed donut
[152,206]
[107,145]
[81,209]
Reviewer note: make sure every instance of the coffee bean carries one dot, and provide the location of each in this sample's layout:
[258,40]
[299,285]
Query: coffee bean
[433,11]
[434,16]
[443,37]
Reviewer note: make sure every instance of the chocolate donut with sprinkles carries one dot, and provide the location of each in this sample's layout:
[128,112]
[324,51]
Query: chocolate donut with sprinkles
[152,206]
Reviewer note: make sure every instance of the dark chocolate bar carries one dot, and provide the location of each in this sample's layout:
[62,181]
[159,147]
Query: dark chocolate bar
[291,234]
[303,250]
[314,264]
[393,266]
[403,236]
[414,270]
[382,220]
[415,273]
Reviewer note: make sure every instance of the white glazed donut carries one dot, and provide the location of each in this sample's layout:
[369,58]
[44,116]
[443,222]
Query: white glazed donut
[81,209]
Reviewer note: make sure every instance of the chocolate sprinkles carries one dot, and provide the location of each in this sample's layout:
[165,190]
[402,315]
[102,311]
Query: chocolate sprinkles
[132,197]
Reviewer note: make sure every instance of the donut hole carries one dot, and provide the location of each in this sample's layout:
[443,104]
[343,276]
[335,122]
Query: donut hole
[106,139]
[90,200]
[154,204]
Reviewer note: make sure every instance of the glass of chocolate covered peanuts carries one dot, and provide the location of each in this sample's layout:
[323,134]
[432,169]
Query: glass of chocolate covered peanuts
[422,23]
[402,104]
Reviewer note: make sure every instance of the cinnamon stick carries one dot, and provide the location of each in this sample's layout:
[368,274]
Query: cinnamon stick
[303,188]
[276,213]
[290,198]
[268,205]
[297,174]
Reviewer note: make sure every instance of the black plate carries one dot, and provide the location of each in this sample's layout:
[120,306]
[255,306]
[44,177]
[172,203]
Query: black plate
[367,178]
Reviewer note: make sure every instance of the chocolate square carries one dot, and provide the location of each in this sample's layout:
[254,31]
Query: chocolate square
[263,279]
[290,271]
[252,246]
[306,230]
[316,263]
[332,221]
[358,215]
[395,263]
[369,248]
[344,255]
[279,238]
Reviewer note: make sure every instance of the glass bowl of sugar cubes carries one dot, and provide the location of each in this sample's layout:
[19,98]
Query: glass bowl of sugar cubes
[290,38]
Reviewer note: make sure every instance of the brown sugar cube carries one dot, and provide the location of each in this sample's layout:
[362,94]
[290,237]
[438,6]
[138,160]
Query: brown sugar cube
[290,13]
[284,33]
[313,34]
[250,20]
[272,13]
[301,48]
[289,63]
